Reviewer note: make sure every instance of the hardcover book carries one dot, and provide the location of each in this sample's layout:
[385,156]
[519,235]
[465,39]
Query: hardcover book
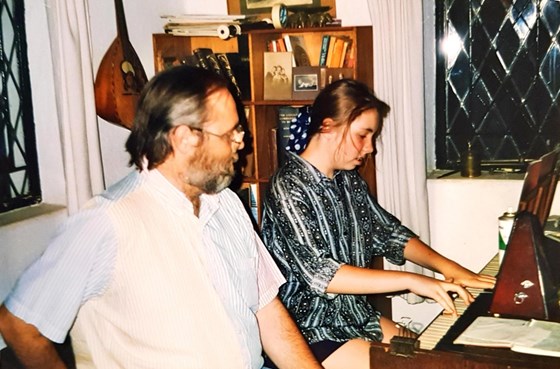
[201,53]
[228,73]
[324,50]
[299,50]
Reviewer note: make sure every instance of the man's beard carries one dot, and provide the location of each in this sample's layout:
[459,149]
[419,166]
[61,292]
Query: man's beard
[209,174]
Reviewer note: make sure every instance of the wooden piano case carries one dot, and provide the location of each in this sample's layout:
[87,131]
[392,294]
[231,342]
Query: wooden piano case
[435,359]
[446,355]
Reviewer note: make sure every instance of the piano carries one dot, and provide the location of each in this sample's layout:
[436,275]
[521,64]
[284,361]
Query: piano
[528,286]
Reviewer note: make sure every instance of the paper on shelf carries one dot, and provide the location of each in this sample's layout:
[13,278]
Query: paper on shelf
[533,337]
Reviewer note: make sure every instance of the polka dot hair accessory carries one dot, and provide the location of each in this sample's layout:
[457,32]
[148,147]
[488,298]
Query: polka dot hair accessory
[298,130]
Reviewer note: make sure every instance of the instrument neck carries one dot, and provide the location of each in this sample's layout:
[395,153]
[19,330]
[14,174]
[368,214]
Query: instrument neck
[121,22]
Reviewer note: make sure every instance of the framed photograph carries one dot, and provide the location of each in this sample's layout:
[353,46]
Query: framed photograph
[277,76]
[264,7]
[307,82]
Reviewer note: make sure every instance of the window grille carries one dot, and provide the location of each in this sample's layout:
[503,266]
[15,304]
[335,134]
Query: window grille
[498,80]
[19,173]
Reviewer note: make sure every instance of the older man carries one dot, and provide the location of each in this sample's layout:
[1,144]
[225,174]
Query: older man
[163,270]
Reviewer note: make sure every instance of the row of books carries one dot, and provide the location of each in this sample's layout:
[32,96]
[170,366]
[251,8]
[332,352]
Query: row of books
[232,66]
[336,52]
[294,44]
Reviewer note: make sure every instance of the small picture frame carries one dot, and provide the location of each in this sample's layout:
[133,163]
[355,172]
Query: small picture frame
[307,83]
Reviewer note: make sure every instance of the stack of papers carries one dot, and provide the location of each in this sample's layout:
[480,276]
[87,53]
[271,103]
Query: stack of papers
[535,337]
[199,24]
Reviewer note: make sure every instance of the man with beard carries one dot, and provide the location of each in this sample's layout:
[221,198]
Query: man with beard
[164,269]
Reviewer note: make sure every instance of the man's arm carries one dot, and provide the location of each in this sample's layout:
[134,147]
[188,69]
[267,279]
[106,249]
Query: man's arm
[281,339]
[31,348]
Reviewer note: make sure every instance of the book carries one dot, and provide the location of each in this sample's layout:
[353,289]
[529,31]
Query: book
[336,53]
[324,49]
[191,60]
[288,43]
[273,149]
[349,57]
[286,116]
[229,74]
[535,337]
[345,48]
[300,53]
[239,64]
[214,64]
[254,200]
[330,51]
[271,46]
[281,45]
[201,53]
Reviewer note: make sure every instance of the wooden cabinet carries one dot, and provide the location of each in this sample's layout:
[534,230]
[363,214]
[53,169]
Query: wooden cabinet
[263,114]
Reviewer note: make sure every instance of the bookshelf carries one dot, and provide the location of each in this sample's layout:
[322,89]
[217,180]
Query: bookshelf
[263,114]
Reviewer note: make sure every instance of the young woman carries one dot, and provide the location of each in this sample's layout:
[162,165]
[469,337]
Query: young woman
[323,228]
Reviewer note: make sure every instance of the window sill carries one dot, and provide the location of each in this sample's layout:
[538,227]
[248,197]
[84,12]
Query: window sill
[28,213]
[485,175]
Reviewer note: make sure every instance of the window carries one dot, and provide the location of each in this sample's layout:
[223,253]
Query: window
[19,173]
[498,80]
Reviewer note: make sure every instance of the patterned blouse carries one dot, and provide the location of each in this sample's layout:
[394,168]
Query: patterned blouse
[312,225]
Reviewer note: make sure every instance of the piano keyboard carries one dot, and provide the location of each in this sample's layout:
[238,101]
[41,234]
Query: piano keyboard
[441,324]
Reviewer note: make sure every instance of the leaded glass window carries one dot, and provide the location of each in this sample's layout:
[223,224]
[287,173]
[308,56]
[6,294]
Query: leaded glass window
[498,80]
[19,175]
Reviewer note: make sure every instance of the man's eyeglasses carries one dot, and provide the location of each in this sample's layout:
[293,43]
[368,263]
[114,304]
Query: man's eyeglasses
[235,135]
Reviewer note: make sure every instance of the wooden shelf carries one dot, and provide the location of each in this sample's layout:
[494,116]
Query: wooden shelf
[263,114]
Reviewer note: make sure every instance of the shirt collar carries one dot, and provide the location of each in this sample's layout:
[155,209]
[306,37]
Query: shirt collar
[311,169]
[165,190]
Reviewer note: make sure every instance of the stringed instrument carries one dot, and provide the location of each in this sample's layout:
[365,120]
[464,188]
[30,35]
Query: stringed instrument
[120,77]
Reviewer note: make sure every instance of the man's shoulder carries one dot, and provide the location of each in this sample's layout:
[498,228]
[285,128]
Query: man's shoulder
[117,191]
[124,186]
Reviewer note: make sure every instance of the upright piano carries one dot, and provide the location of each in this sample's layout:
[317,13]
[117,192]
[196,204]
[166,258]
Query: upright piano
[528,286]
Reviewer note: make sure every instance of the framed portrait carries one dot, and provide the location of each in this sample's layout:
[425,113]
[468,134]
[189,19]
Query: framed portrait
[306,82]
[277,76]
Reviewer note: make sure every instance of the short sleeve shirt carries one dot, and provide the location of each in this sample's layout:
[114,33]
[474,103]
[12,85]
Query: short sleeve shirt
[79,262]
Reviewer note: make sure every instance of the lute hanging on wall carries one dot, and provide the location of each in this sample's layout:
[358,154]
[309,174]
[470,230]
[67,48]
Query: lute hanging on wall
[120,77]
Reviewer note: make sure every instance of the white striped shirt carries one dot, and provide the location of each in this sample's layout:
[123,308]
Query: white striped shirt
[79,264]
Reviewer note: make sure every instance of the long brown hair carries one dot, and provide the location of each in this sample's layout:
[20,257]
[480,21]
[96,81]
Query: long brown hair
[343,101]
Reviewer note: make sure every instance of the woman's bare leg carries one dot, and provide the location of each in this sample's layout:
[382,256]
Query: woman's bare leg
[353,354]
[389,328]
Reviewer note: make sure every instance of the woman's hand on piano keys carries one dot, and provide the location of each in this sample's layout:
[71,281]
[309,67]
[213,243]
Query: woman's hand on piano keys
[421,254]
[466,278]
[440,291]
